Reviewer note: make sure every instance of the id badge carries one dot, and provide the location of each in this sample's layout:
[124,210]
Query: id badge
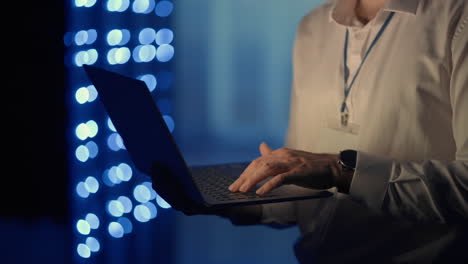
[337,124]
[334,137]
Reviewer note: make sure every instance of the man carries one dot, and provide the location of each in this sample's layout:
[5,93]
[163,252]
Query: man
[387,81]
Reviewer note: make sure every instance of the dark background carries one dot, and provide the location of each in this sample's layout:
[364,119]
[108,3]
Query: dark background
[34,183]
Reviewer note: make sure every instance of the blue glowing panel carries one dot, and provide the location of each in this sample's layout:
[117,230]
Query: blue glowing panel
[110,196]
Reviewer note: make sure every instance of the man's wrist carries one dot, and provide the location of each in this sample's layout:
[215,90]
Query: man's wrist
[346,169]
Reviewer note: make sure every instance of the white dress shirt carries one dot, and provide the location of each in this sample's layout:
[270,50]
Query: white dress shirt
[408,200]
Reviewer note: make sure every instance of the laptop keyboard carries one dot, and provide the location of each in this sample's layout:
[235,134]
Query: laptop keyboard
[215,183]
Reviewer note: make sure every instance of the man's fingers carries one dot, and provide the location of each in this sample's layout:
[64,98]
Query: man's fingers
[262,172]
[265,149]
[234,187]
[273,183]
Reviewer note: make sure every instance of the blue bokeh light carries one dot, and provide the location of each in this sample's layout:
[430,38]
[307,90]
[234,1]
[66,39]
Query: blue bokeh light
[164,36]
[82,153]
[144,53]
[81,37]
[153,193]
[122,55]
[84,3]
[150,81]
[112,175]
[110,125]
[93,128]
[92,148]
[126,203]
[164,8]
[91,184]
[106,180]
[117,5]
[118,37]
[118,55]
[124,172]
[164,53]
[115,142]
[115,229]
[83,251]
[92,93]
[92,36]
[146,36]
[81,190]
[80,3]
[86,94]
[152,208]
[169,122]
[92,220]
[115,208]
[82,131]
[143,6]
[82,95]
[126,224]
[141,193]
[93,244]
[114,37]
[142,213]
[83,227]
[88,57]
[90,3]
[162,203]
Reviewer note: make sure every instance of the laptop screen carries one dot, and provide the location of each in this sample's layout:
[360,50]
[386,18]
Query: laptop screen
[137,119]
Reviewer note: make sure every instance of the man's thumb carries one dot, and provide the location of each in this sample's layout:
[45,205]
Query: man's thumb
[265,149]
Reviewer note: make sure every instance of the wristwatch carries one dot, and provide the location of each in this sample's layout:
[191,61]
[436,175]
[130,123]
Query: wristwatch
[347,160]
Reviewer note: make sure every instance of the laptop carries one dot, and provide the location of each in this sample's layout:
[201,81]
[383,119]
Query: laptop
[154,152]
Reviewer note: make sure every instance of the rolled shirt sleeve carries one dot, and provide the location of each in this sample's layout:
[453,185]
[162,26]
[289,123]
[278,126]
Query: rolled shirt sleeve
[426,190]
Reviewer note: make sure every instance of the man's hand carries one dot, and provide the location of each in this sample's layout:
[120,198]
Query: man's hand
[289,166]
[170,191]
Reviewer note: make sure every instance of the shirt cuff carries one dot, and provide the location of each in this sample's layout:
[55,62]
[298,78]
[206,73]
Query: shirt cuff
[370,180]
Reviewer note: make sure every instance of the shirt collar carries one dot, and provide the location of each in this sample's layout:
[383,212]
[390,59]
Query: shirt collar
[340,11]
[403,6]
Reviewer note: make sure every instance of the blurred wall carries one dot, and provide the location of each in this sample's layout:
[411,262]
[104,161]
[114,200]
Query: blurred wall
[233,66]
[233,75]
